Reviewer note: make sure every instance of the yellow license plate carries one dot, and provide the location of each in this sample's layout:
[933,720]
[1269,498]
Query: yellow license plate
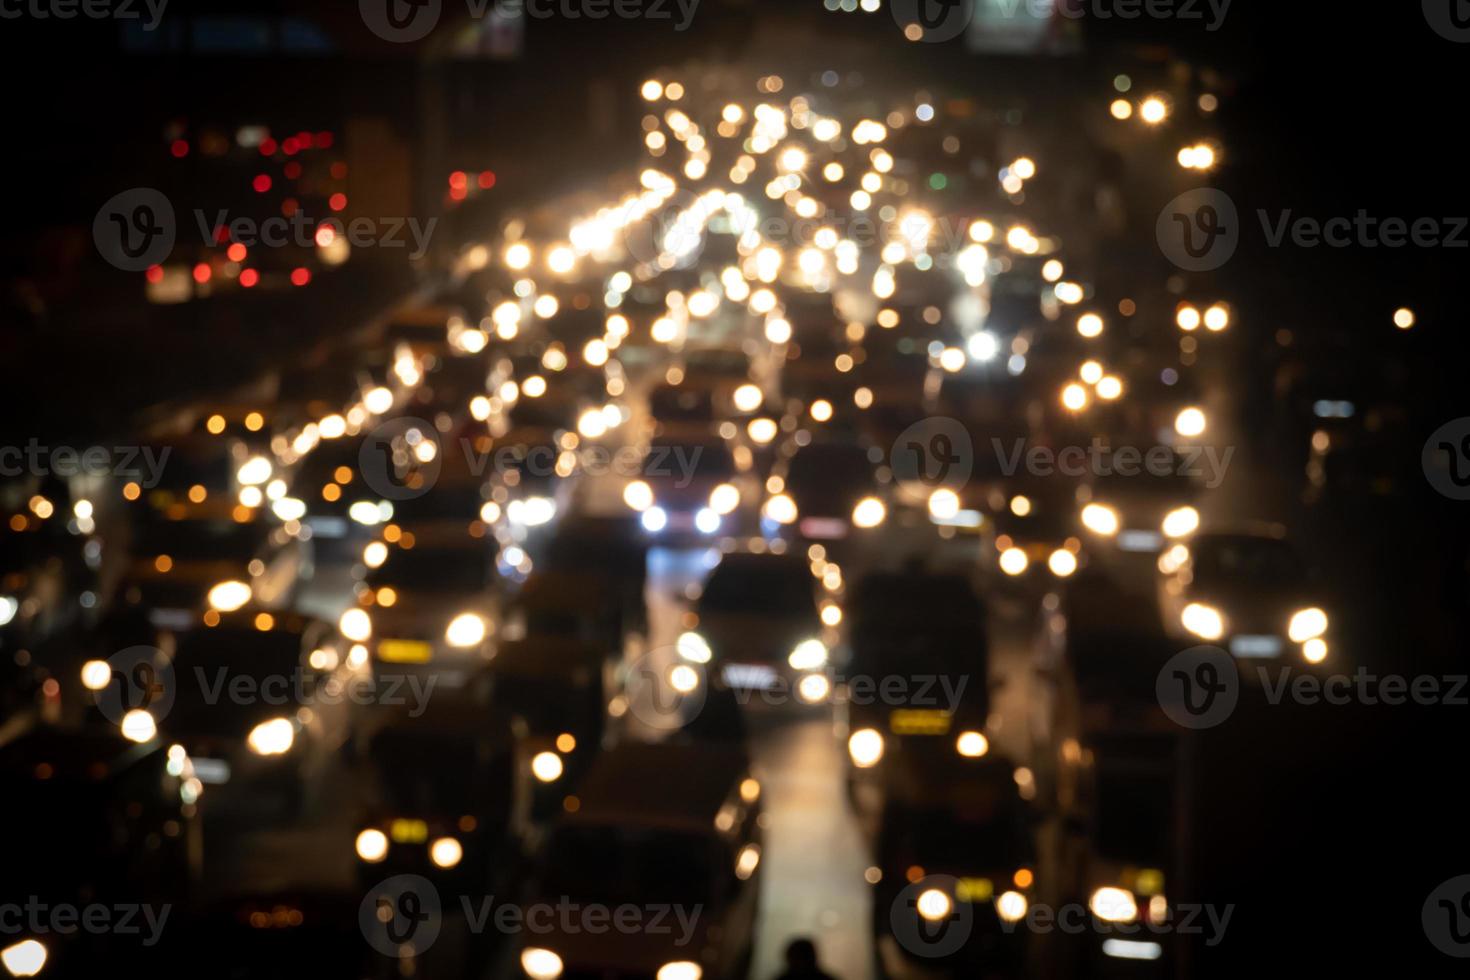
[974,890]
[408,831]
[919,721]
[405,651]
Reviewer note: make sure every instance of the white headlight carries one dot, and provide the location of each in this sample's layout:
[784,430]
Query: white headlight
[1013,561]
[972,745]
[255,471]
[944,504]
[1062,563]
[8,608]
[1203,621]
[934,904]
[546,766]
[813,688]
[1011,906]
[356,625]
[533,511]
[372,845]
[446,852]
[654,520]
[96,674]
[24,959]
[869,512]
[680,970]
[807,655]
[272,737]
[1178,523]
[229,596]
[465,630]
[748,398]
[540,964]
[1307,624]
[1100,519]
[138,726]
[724,498]
[865,746]
[638,495]
[1113,905]
[693,648]
[781,509]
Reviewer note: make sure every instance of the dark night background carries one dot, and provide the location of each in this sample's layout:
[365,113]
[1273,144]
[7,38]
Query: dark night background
[1325,826]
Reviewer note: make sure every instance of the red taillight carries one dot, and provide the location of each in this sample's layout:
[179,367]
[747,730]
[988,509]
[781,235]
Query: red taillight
[261,183]
[300,276]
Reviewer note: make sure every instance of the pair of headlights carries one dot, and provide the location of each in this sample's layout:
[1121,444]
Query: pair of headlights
[935,905]
[1208,623]
[543,964]
[866,746]
[868,512]
[809,654]
[723,499]
[465,630]
[1103,519]
[372,847]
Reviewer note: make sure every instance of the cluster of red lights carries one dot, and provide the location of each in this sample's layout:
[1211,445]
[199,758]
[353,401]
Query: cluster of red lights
[459,183]
[262,183]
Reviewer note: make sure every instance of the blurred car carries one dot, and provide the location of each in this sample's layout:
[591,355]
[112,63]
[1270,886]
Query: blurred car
[259,705]
[447,796]
[553,691]
[929,630]
[689,487]
[105,821]
[717,371]
[829,490]
[1033,529]
[193,557]
[689,845]
[429,609]
[964,837]
[589,582]
[1128,809]
[1141,513]
[1247,591]
[759,629]
[1095,665]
